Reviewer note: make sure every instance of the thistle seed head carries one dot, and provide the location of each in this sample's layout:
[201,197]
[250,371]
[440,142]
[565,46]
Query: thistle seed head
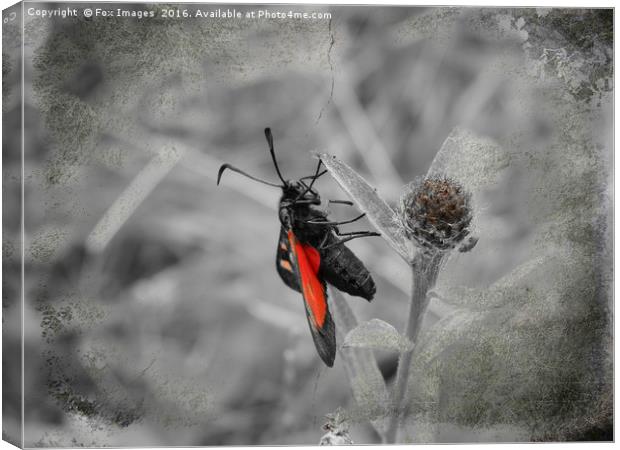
[435,213]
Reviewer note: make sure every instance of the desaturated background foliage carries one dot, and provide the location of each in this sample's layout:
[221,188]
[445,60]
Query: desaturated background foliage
[154,314]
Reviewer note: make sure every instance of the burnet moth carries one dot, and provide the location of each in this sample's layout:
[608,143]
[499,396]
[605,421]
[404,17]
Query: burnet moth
[311,252]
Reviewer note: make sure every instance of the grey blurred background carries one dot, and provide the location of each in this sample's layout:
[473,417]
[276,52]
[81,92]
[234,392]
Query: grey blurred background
[154,314]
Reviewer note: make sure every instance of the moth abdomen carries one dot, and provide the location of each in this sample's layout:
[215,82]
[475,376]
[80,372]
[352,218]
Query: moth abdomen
[343,270]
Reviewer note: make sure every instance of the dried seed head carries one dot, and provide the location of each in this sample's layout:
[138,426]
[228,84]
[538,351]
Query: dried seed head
[435,213]
[337,428]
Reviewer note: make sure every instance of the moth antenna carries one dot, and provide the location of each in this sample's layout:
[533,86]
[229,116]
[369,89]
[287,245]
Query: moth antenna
[269,137]
[234,169]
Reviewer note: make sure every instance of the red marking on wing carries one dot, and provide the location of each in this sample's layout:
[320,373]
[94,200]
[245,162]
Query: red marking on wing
[308,262]
[314,258]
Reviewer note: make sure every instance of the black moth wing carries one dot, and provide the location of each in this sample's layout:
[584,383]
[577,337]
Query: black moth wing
[324,337]
[284,265]
[345,271]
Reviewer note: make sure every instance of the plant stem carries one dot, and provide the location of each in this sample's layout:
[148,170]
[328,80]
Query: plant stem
[365,379]
[425,269]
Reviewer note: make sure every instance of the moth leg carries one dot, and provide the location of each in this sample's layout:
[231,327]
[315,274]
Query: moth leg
[341,202]
[359,234]
[297,202]
[335,223]
[318,175]
[321,245]
[314,178]
[352,233]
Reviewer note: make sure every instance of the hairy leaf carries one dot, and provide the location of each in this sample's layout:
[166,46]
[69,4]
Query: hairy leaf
[377,334]
[368,201]
[473,160]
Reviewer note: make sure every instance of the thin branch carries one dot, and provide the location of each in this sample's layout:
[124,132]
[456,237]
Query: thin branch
[132,197]
[366,140]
